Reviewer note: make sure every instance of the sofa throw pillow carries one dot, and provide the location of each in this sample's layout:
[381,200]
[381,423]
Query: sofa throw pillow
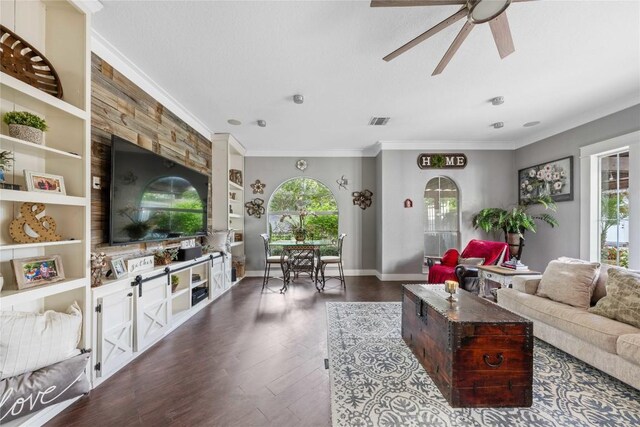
[569,283]
[450,258]
[219,240]
[31,341]
[470,261]
[600,290]
[622,302]
[32,391]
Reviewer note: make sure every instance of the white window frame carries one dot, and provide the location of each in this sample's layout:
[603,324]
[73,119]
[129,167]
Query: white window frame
[590,195]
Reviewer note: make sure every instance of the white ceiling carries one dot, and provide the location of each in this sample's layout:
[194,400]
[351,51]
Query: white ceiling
[575,61]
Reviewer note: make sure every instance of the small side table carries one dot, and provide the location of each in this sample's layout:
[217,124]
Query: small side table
[502,276]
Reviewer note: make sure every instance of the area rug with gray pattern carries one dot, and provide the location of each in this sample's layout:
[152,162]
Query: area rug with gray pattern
[377,381]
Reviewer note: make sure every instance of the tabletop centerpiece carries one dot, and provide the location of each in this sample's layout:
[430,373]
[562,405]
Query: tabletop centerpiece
[297,224]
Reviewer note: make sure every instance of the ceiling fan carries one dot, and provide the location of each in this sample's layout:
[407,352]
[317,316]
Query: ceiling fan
[476,11]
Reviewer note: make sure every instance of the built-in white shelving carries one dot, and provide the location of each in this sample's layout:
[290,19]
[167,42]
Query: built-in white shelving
[228,154]
[18,145]
[60,30]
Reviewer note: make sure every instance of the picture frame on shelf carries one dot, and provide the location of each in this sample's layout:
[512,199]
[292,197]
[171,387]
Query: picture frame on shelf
[553,179]
[118,267]
[37,271]
[44,182]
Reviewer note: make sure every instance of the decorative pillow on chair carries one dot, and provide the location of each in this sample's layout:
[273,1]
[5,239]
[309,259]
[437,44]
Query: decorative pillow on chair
[470,261]
[568,282]
[450,258]
[31,341]
[622,301]
[32,391]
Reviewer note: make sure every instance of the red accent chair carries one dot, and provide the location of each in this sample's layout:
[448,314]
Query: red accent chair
[447,267]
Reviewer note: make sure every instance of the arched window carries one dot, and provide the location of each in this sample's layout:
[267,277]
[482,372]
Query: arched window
[310,198]
[441,216]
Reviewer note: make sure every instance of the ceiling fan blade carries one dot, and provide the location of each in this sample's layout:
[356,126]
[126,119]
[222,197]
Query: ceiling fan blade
[401,3]
[502,35]
[457,42]
[431,31]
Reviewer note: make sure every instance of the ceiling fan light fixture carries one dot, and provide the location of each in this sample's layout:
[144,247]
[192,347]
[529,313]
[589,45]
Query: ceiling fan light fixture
[485,10]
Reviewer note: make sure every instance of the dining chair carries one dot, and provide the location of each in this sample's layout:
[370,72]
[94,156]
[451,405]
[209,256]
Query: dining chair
[272,259]
[332,259]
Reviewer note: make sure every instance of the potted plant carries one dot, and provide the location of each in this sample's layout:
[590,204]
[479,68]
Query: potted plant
[513,222]
[26,126]
[5,163]
[175,281]
[298,230]
[165,256]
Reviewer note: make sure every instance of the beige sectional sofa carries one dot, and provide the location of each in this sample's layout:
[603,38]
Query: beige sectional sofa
[609,345]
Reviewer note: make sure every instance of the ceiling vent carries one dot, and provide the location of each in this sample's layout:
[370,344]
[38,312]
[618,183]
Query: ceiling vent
[378,121]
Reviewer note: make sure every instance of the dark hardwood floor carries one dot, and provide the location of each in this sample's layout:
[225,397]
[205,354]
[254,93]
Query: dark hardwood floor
[248,359]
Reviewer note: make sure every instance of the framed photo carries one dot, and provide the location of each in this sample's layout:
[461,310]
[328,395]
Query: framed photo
[31,272]
[44,182]
[553,179]
[118,267]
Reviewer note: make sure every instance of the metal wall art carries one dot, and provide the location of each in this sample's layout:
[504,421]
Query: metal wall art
[255,207]
[362,198]
[258,187]
[342,183]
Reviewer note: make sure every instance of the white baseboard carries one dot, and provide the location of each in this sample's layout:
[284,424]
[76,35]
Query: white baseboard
[401,277]
[356,273]
[329,271]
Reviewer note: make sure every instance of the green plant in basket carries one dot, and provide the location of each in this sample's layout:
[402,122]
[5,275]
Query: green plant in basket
[25,118]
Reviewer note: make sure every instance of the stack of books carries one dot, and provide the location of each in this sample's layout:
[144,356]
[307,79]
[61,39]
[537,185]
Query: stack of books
[514,264]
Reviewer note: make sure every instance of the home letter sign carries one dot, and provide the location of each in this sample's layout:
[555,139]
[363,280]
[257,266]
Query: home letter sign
[442,161]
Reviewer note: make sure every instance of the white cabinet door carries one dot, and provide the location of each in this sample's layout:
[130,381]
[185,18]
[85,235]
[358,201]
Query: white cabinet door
[153,311]
[115,331]
[217,278]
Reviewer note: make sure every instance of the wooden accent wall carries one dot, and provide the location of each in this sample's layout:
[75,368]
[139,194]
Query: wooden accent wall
[121,108]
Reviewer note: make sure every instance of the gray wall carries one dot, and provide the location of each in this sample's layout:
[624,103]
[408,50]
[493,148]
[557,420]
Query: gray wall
[487,181]
[548,243]
[360,226]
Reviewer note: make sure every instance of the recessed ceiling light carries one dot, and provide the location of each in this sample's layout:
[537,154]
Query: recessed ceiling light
[262,123]
[298,99]
[497,125]
[531,124]
[498,100]
[234,122]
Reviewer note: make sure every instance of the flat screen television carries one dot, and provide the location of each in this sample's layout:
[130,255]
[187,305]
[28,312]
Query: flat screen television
[153,198]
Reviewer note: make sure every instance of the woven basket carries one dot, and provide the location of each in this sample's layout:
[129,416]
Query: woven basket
[26,133]
[21,60]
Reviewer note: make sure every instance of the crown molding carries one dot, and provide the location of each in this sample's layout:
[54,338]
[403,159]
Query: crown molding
[89,6]
[105,50]
[310,153]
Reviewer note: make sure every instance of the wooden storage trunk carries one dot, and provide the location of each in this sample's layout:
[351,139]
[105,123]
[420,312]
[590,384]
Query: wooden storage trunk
[477,353]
